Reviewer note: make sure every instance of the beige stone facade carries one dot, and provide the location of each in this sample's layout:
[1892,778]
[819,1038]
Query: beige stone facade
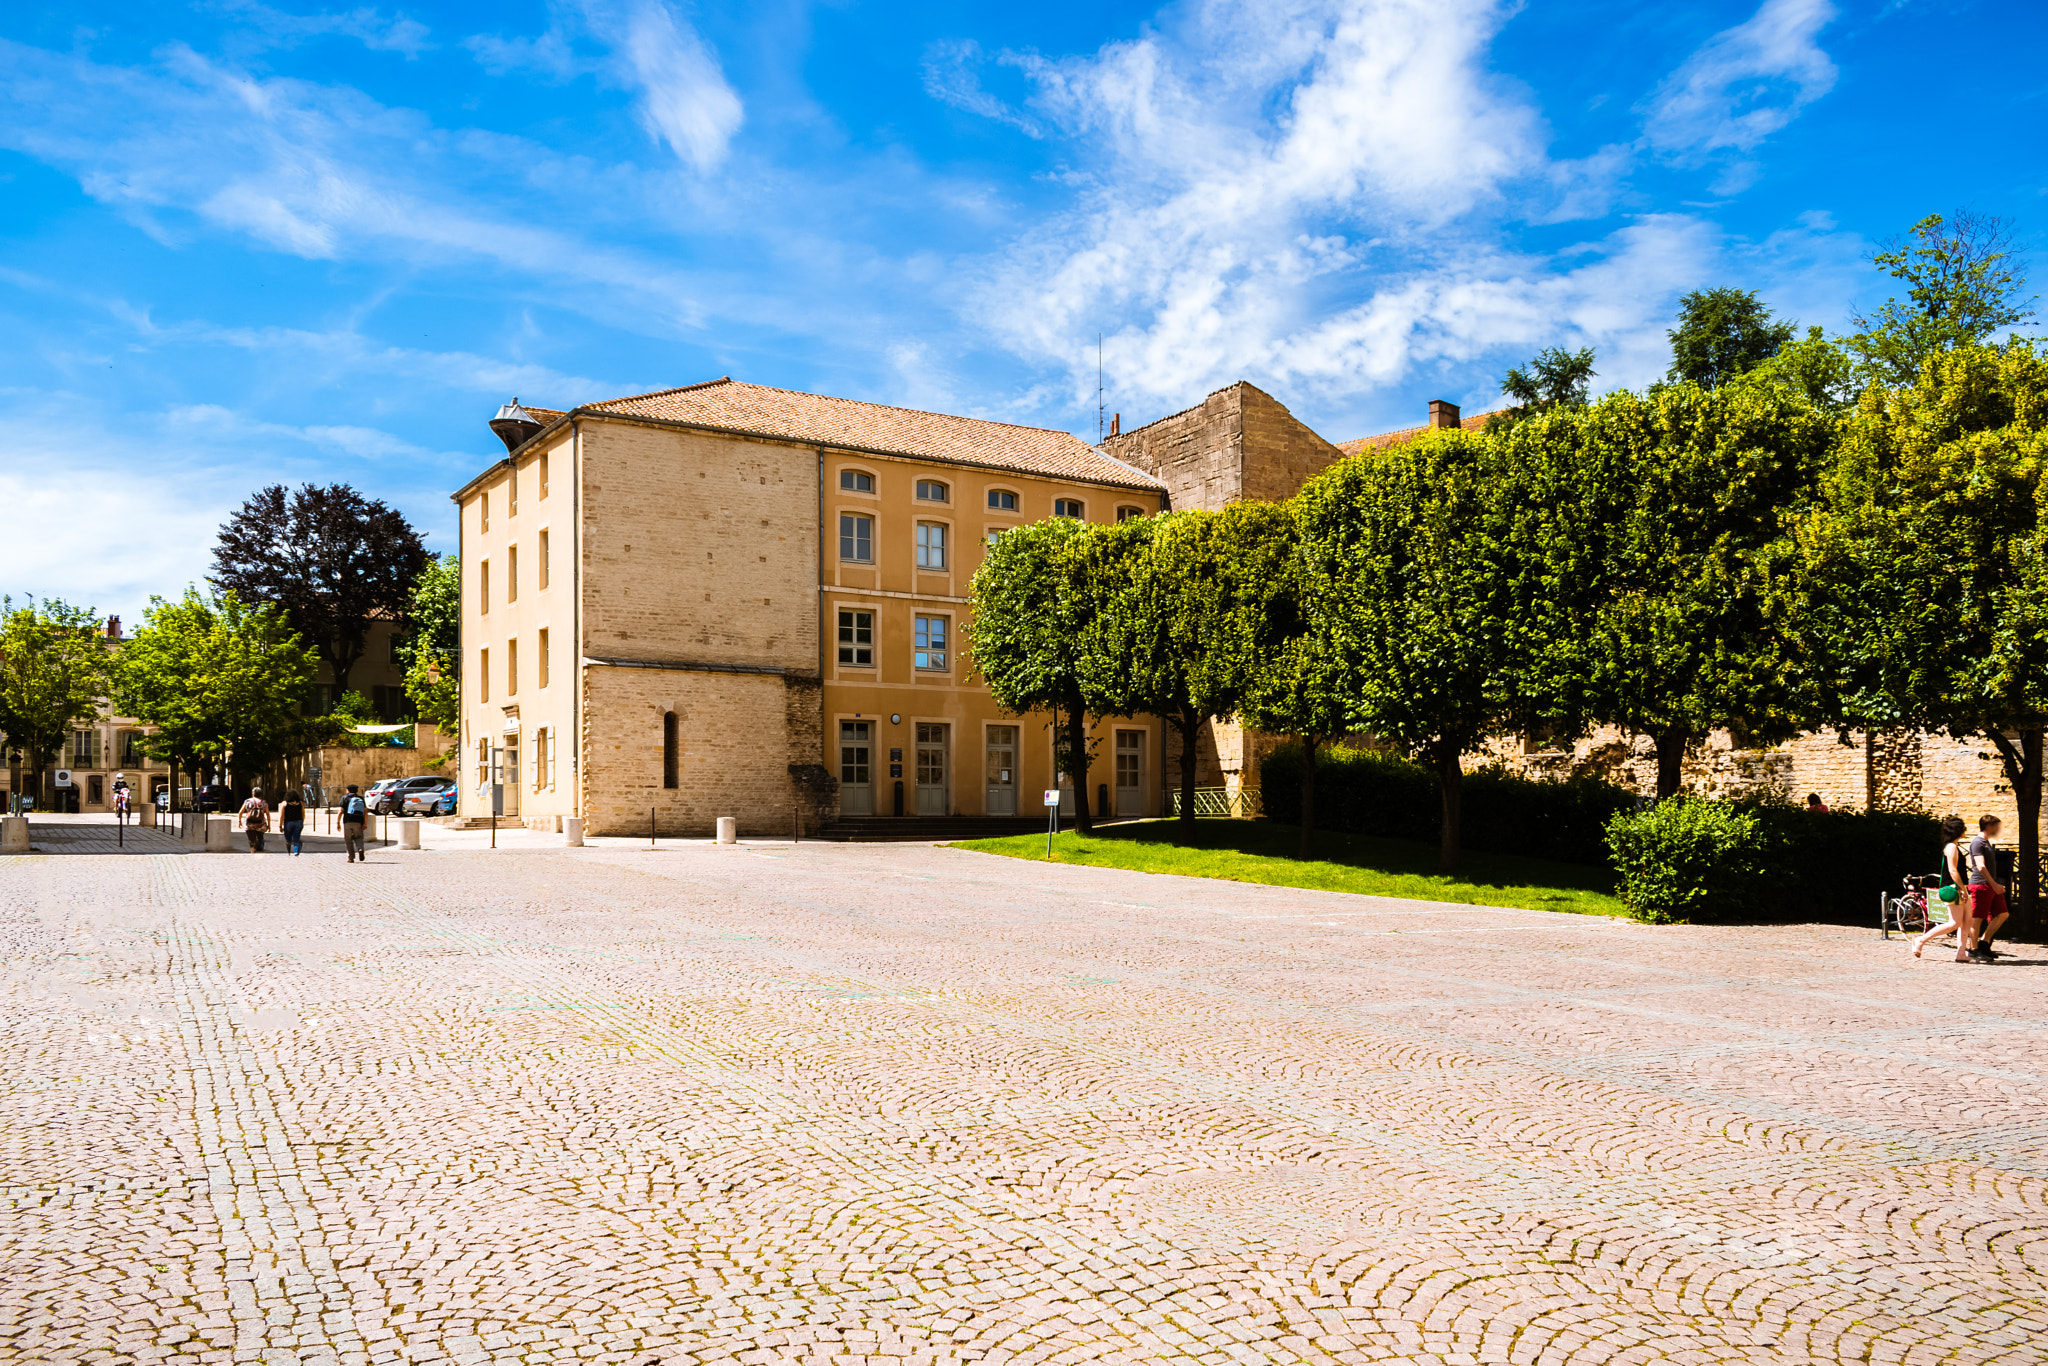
[680,606]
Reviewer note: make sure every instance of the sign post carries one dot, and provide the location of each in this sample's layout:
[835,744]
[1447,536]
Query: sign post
[1052,819]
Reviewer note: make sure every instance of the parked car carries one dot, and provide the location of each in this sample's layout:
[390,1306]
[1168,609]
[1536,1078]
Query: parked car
[429,797]
[376,792]
[388,798]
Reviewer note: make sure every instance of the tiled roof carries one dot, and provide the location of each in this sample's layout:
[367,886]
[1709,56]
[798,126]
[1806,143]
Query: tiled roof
[1474,423]
[783,414]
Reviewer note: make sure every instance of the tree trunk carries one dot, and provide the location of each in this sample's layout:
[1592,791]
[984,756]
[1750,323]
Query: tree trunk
[1670,760]
[1077,766]
[1450,780]
[1309,745]
[2022,765]
[1190,734]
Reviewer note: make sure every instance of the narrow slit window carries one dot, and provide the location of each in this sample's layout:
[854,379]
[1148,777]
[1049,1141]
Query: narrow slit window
[512,667]
[541,569]
[483,587]
[542,471]
[483,675]
[669,757]
[512,574]
[540,659]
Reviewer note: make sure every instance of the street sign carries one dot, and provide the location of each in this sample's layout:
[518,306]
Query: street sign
[1052,796]
[63,777]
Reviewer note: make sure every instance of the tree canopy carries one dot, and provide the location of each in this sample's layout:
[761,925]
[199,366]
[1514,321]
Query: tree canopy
[1723,333]
[1963,283]
[432,652]
[53,673]
[331,558]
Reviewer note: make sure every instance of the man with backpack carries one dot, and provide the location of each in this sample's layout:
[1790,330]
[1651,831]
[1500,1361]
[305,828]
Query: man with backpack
[255,819]
[355,812]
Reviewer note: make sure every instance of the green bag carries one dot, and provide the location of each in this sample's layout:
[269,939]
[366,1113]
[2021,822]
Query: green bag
[1950,892]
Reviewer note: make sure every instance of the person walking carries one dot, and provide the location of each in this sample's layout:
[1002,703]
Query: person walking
[1951,893]
[355,812]
[1987,895]
[255,815]
[291,819]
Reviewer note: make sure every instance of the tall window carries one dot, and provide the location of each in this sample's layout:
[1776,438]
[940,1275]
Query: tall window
[483,675]
[483,586]
[932,491]
[856,538]
[931,546]
[856,481]
[540,660]
[483,762]
[669,756]
[484,506]
[541,577]
[857,639]
[1068,507]
[542,469]
[540,758]
[512,573]
[512,493]
[1002,500]
[512,667]
[931,642]
[81,749]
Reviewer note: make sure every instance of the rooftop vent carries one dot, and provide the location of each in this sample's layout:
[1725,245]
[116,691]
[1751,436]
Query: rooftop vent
[515,426]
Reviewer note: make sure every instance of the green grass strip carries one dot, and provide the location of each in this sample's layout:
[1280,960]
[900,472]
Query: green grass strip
[1262,851]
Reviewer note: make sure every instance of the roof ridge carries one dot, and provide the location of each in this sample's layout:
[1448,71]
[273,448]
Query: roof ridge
[891,407]
[659,393]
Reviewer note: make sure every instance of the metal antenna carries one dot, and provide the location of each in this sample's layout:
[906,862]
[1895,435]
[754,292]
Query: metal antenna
[1098,389]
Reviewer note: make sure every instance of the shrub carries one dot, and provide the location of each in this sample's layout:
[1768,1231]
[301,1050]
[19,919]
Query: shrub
[1372,792]
[1687,859]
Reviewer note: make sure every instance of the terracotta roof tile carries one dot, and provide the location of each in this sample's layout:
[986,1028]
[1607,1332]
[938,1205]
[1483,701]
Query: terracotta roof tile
[1474,423]
[784,414]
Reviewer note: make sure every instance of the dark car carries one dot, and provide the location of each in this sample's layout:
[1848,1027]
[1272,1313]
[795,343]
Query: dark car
[391,799]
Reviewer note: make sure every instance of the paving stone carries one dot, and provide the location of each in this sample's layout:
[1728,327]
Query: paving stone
[920,1107]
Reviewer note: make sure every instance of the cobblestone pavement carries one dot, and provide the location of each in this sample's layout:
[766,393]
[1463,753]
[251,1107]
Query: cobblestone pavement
[873,1106]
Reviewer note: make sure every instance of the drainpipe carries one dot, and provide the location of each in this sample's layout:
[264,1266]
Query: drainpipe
[576,614]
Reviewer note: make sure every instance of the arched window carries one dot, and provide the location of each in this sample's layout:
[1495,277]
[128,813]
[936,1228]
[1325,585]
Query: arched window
[668,749]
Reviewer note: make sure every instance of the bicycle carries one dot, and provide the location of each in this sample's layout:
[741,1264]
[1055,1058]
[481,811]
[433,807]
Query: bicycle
[1909,912]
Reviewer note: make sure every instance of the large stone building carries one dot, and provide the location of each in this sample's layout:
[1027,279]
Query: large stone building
[688,604]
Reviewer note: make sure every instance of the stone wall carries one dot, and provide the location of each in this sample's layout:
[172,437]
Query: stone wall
[1237,443]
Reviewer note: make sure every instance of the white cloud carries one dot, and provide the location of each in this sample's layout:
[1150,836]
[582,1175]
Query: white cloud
[265,26]
[950,77]
[684,99]
[1744,83]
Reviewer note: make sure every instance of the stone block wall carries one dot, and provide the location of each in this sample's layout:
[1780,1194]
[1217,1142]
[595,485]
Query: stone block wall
[1239,442]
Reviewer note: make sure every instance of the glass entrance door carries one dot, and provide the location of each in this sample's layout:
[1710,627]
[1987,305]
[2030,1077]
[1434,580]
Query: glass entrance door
[1130,773]
[856,782]
[1002,771]
[931,768]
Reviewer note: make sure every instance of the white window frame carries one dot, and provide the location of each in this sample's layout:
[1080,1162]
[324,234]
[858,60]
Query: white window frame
[851,644]
[926,657]
[931,546]
[855,538]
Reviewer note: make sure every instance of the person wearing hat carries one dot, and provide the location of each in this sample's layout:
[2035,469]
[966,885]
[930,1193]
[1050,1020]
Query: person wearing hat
[355,813]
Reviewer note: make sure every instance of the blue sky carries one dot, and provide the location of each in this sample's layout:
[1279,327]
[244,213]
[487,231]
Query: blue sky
[243,243]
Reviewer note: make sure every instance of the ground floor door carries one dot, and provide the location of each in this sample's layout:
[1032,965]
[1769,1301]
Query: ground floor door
[932,738]
[856,762]
[1002,771]
[507,775]
[1130,773]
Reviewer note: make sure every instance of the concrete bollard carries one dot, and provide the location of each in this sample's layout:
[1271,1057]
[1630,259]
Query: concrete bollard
[145,815]
[220,834]
[728,830]
[408,834]
[192,829]
[572,832]
[13,834]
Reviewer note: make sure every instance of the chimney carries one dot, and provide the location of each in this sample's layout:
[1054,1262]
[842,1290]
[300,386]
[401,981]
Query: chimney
[1442,413]
[113,628]
[515,426]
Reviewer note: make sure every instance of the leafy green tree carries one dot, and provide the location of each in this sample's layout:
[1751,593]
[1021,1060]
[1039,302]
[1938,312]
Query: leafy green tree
[432,652]
[1031,616]
[1722,333]
[221,681]
[1411,593]
[1812,368]
[1184,616]
[1963,283]
[1702,488]
[1556,378]
[53,673]
[1928,565]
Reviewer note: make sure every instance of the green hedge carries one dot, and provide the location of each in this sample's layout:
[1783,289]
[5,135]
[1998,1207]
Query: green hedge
[1370,792]
[1690,859]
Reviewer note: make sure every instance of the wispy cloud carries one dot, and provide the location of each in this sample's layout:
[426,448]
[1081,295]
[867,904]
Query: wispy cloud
[684,98]
[266,26]
[951,76]
[1745,83]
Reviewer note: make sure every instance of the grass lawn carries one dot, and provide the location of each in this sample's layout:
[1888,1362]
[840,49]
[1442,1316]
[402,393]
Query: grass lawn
[1260,851]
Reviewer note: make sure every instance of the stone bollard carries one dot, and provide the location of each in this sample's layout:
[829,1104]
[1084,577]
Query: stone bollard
[220,834]
[572,832]
[145,815]
[728,830]
[13,834]
[192,828]
[408,834]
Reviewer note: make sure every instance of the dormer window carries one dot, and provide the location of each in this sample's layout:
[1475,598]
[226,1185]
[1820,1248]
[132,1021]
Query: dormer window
[856,481]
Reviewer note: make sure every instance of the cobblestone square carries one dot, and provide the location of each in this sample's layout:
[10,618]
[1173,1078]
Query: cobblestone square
[871,1105]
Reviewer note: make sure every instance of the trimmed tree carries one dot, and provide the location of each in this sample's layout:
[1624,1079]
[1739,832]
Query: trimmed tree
[333,559]
[1928,566]
[1030,618]
[53,673]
